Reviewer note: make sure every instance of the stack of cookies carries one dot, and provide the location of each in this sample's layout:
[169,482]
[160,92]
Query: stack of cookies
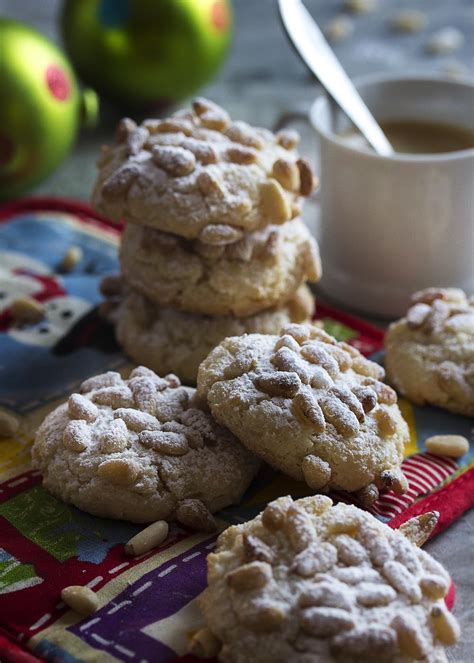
[213,244]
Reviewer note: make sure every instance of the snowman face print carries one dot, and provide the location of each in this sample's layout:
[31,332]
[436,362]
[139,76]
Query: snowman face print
[13,286]
[12,261]
[61,314]
[21,276]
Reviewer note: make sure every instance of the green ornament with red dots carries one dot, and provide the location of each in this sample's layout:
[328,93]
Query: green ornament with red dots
[146,53]
[41,107]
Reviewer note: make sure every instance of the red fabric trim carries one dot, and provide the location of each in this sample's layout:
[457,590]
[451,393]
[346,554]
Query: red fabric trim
[323,310]
[12,653]
[451,502]
[44,203]
[450,598]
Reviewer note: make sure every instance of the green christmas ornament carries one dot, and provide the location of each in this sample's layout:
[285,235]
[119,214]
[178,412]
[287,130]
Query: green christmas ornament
[40,110]
[145,53]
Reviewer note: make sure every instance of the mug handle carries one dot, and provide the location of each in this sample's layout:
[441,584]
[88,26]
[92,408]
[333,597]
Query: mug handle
[310,151]
[291,117]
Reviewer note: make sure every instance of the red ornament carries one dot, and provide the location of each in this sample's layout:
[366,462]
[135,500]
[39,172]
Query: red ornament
[57,82]
[220,15]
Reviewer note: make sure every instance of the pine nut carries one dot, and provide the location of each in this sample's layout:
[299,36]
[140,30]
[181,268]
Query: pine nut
[368,495]
[80,407]
[316,472]
[266,615]
[80,599]
[308,180]
[220,234]
[176,161]
[27,310]
[273,202]
[9,424]
[434,586]
[119,471]
[242,155]
[419,529]
[70,259]
[445,625]
[204,644]
[274,514]
[454,446]
[409,20]
[249,576]
[386,424]
[194,514]
[409,636]
[256,550]
[285,384]
[361,6]
[446,40]
[339,28]
[288,138]
[149,538]
[287,173]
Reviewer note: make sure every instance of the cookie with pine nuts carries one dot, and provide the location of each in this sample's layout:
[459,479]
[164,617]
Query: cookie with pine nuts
[201,175]
[141,450]
[312,407]
[309,581]
[429,353]
[174,341]
[261,270]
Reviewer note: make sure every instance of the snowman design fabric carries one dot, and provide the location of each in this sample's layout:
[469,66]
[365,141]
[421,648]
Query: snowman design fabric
[61,310]
[68,334]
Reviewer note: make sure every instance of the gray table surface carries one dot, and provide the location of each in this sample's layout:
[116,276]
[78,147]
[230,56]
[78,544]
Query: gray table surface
[262,79]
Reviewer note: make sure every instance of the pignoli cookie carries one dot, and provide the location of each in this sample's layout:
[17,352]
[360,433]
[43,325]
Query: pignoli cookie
[261,270]
[142,450]
[199,174]
[307,582]
[168,340]
[311,407]
[430,352]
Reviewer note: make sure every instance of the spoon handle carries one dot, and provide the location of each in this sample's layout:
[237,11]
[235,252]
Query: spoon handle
[320,58]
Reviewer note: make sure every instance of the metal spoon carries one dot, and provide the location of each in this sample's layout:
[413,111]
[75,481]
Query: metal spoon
[313,48]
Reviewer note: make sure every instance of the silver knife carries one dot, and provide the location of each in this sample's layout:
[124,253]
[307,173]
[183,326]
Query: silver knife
[315,51]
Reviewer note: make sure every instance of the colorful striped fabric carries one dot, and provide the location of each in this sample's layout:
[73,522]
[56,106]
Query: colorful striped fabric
[424,473]
[147,604]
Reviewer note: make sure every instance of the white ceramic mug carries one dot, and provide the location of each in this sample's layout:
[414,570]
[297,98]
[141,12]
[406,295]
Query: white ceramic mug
[392,225]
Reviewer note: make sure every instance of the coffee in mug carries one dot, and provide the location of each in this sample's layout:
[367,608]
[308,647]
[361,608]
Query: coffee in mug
[412,136]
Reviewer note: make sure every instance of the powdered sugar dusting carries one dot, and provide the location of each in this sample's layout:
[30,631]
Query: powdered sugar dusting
[195,169]
[136,448]
[337,600]
[310,406]
[430,352]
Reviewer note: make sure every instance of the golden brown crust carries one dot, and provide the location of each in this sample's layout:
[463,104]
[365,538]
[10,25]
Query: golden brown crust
[141,450]
[238,277]
[310,406]
[200,168]
[430,352]
[324,583]
[170,340]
